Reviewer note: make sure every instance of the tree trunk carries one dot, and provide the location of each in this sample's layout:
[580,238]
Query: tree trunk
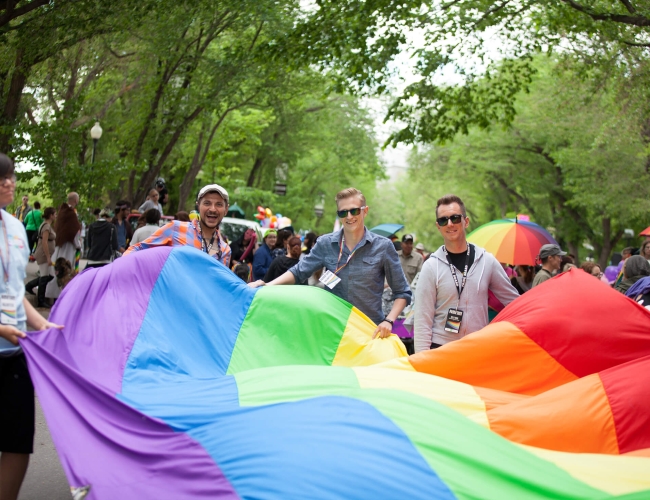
[12,102]
[188,181]
[257,165]
[574,249]
[199,160]
[609,242]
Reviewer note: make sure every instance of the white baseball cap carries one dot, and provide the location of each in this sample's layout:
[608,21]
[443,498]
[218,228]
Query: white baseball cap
[213,188]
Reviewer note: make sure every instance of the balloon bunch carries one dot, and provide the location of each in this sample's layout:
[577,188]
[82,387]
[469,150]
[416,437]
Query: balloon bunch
[267,219]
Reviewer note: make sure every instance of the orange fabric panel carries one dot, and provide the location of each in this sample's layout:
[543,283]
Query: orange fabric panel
[493,398]
[499,356]
[575,418]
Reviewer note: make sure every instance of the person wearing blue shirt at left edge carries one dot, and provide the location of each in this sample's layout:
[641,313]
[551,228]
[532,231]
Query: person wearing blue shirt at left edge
[16,389]
[357,263]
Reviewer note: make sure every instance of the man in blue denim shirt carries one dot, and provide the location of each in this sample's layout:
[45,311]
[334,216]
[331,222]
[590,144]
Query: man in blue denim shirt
[361,259]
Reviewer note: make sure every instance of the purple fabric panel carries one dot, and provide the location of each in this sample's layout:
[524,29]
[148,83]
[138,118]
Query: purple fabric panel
[118,451]
[118,296]
[401,331]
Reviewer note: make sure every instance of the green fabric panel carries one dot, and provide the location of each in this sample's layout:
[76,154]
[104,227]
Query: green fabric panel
[473,461]
[290,325]
[289,383]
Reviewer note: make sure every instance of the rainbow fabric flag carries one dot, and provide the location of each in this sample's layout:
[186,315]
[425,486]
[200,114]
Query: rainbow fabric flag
[174,380]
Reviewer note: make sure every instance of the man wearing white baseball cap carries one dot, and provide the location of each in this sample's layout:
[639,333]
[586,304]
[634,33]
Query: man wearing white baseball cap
[212,203]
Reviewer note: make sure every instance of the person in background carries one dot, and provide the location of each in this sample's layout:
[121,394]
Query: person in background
[122,225]
[68,242]
[419,248]
[151,202]
[523,280]
[411,261]
[567,262]
[17,411]
[280,248]
[626,253]
[243,247]
[23,209]
[102,241]
[182,216]
[152,224]
[593,269]
[33,221]
[644,251]
[43,254]
[163,196]
[282,264]
[567,267]
[635,268]
[308,243]
[263,258]
[243,272]
[551,257]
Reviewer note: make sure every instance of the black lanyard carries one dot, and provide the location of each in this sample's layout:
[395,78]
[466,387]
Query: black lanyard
[452,268]
[207,247]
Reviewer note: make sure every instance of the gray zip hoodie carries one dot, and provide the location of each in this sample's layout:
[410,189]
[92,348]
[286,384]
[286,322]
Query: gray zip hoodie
[436,293]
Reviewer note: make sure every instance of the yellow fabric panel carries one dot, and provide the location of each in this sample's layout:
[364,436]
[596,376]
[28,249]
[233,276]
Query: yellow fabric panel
[358,348]
[397,364]
[615,474]
[456,395]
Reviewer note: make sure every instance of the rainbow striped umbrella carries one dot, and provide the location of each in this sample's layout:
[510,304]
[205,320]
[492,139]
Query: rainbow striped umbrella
[512,241]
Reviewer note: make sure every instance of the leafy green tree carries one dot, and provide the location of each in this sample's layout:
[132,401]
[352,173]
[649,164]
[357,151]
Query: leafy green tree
[361,39]
[572,159]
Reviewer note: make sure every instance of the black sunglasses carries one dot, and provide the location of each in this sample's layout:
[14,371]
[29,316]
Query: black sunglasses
[455,219]
[353,211]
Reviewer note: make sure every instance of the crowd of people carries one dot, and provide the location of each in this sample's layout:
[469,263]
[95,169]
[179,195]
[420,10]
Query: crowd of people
[449,293]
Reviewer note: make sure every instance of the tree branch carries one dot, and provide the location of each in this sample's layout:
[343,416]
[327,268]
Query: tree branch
[102,112]
[12,13]
[636,44]
[617,18]
[628,5]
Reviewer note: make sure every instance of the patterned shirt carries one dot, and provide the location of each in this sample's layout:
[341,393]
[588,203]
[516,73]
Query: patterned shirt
[184,233]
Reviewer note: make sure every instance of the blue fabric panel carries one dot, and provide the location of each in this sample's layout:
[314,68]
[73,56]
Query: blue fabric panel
[193,334]
[181,402]
[303,449]
[292,450]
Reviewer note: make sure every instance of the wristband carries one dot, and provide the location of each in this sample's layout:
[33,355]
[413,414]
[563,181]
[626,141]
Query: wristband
[388,321]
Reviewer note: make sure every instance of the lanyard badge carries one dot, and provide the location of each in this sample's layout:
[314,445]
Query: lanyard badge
[330,279]
[455,315]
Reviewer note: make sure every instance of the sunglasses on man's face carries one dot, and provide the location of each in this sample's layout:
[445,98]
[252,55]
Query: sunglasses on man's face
[455,219]
[353,211]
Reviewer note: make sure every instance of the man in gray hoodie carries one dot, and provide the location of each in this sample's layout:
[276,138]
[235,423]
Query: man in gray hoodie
[451,297]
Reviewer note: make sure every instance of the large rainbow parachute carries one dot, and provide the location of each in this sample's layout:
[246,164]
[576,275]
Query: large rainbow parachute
[174,380]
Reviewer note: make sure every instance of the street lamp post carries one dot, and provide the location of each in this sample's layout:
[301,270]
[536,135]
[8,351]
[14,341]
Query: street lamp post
[95,134]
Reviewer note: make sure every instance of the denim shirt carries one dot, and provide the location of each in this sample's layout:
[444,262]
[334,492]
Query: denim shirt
[362,280]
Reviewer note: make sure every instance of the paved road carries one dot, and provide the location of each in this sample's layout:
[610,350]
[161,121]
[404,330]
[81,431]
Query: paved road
[45,479]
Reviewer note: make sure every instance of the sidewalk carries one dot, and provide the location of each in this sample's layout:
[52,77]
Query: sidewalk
[45,478]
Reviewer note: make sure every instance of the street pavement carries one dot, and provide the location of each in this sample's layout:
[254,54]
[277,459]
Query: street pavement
[45,479]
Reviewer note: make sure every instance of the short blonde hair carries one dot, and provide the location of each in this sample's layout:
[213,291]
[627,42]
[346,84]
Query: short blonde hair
[349,193]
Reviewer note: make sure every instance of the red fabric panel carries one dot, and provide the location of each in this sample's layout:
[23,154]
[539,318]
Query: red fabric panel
[628,390]
[582,323]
